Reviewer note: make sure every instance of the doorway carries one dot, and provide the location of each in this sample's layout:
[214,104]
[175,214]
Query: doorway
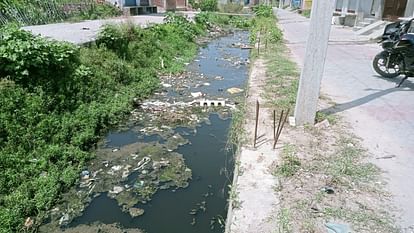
[394,9]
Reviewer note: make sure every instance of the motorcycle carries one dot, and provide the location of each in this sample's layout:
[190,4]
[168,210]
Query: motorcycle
[398,55]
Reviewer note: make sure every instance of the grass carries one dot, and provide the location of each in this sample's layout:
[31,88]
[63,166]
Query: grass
[321,116]
[284,221]
[290,164]
[282,84]
[362,217]
[346,166]
[337,161]
[306,13]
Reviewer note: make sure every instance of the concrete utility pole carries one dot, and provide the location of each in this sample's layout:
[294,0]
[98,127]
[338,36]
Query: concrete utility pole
[316,48]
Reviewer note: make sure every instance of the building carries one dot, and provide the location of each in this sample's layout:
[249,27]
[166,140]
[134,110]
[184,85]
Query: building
[135,7]
[379,9]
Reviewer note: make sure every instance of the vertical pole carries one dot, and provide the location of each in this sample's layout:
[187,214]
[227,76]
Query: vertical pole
[316,48]
[345,5]
[257,122]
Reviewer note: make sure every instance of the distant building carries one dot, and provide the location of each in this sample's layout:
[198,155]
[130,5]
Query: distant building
[379,9]
[135,7]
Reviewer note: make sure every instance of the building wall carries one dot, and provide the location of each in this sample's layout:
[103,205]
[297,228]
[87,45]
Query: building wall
[365,6]
[181,3]
[409,11]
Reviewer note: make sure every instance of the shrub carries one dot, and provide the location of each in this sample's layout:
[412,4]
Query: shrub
[204,5]
[263,10]
[231,7]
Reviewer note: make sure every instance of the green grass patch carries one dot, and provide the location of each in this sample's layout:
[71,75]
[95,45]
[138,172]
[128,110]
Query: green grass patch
[346,167]
[284,221]
[290,163]
[306,13]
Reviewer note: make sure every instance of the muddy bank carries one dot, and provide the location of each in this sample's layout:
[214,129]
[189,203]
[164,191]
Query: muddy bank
[168,163]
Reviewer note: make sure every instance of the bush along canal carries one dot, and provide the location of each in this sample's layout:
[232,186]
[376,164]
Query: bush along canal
[168,168]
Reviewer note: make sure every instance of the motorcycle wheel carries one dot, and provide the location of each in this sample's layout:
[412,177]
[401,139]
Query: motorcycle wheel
[380,66]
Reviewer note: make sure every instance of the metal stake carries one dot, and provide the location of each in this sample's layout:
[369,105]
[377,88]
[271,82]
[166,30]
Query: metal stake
[257,122]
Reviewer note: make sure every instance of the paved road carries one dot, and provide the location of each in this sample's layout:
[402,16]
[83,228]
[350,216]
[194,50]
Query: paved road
[382,115]
[86,31]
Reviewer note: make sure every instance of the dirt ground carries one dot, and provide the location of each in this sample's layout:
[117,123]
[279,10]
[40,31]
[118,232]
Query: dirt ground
[253,201]
[317,178]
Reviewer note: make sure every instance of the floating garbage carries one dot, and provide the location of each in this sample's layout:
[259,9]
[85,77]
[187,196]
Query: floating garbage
[196,94]
[234,90]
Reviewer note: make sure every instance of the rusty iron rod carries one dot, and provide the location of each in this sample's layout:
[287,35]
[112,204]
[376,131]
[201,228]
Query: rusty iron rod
[257,122]
[281,128]
[278,126]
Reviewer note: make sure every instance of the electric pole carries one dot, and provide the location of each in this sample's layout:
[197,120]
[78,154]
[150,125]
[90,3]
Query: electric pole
[316,48]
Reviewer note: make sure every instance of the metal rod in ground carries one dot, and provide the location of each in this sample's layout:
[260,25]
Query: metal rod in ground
[278,125]
[281,128]
[257,122]
[278,128]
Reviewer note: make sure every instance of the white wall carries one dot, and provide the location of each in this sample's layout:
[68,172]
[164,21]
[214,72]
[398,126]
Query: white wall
[409,11]
[365,6]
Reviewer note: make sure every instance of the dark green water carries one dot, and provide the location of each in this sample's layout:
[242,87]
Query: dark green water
[168,211]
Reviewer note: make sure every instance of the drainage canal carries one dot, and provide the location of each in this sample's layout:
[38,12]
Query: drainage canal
[168,169]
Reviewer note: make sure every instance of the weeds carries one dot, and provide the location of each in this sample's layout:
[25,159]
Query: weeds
[237,132]
[57,99]
[362,218]
[284,221]
[234,197]
[321,116]
[290,164]
[282,84]
[306,13]
[346,167]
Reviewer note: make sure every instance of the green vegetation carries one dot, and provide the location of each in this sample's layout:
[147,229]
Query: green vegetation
[306,13]
[56,99]
[346,168]
[321,116]
[210,18]
[282,83]
[264,11]
[26,12]
[284,221]
[231,7]
[290,163]
[204,5]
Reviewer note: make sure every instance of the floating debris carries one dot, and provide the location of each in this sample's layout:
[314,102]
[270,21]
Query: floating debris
[234,90]
[135,212]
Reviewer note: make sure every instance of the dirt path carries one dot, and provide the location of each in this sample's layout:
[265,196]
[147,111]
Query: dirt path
[253,197]
[378,112]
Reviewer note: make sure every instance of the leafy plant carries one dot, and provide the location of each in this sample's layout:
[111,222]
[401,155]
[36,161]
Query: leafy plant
[205,5]
[57,99]
[262,10]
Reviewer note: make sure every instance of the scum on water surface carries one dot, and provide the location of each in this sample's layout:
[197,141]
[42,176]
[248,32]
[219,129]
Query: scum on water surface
[169,143]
